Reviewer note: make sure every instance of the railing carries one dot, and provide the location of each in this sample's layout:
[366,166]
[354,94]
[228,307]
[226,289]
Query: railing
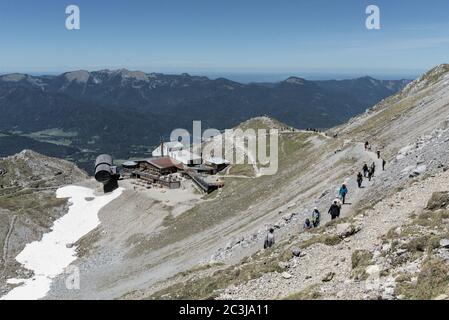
[206,186]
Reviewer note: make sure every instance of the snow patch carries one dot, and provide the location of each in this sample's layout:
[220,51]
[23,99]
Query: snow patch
[50,256]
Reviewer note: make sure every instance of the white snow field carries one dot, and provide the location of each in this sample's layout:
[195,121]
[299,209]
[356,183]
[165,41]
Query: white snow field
[50,256]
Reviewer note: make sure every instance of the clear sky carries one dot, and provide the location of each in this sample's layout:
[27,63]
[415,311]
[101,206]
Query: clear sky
[224,37]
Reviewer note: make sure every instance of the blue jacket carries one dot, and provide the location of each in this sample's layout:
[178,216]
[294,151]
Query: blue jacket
[343,191]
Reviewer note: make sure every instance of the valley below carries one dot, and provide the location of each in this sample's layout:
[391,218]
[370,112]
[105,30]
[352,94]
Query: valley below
[80,114]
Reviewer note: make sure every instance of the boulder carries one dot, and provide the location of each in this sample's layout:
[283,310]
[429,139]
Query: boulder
[419,170]
[239,241]
[325,193]
[405,150]
[328,277]
[439,200]
[373,270]
[286,275]
[444,243]
[407,169]
[345,230]
[296,252]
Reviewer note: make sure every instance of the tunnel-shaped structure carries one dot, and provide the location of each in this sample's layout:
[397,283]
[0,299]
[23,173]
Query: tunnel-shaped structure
[103,168]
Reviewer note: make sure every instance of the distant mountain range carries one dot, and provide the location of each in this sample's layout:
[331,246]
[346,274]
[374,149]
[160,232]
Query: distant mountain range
[125,112]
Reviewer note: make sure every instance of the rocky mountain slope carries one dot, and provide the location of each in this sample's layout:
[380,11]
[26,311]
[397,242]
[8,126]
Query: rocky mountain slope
[91,112]
[28,205]
[390,242]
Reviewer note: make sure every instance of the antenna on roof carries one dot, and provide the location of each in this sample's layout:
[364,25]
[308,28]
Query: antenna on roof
[162,146]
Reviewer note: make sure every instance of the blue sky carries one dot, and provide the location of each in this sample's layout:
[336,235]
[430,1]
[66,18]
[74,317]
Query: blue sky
[314,37]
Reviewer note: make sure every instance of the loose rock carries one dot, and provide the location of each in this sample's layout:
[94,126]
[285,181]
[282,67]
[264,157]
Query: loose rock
[328,277]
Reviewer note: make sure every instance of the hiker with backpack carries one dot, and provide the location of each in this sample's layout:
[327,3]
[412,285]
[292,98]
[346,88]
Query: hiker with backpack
[307,225]
[359,179]
[334,210]
[269,239]
[343,192]
[338,201]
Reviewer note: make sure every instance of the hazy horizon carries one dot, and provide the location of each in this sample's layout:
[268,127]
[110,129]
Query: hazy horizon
[250,40]
[250,77]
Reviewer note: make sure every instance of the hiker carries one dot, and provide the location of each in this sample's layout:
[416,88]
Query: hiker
[307,224]
[334,210]
[359,179]
[343,192]
[365,170]
[316,217]
[269,239]
[383,164]
[373,169]
[370,174]
[366,145]
[378,154]
[338,200]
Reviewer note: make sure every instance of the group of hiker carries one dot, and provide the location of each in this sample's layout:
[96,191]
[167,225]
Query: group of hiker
[335,208]
[310,223]
[313,130]
[315,220]
[368,172]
